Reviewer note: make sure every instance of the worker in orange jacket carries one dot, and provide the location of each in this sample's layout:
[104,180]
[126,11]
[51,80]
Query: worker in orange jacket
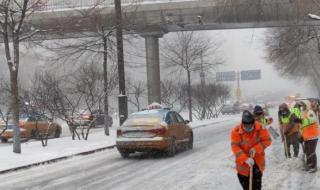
[309,131]
[248,142]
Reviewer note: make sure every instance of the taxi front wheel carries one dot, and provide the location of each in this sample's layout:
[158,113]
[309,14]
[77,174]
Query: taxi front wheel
[124,154]
[190,142]
[4,140]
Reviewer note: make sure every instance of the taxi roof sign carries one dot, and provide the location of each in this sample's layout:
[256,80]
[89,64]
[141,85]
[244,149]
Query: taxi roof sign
[156,105]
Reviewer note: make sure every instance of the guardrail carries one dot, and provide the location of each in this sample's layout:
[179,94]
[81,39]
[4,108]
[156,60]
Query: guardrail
[48,5]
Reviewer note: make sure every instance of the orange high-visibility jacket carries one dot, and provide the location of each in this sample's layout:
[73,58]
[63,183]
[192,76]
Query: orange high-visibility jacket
[310,132]
[309,129]
[242,142]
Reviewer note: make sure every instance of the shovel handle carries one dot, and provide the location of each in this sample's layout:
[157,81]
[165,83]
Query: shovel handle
[251,175]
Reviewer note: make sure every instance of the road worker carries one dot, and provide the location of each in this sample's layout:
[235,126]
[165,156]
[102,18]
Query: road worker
[249,139]
[289,128]
[259,116]
[309,131]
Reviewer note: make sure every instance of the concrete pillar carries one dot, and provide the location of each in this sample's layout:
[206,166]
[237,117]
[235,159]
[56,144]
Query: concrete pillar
[153,67]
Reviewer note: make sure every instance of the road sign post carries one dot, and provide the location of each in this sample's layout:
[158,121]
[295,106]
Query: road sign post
[230,76]
[226,76]
[251,75]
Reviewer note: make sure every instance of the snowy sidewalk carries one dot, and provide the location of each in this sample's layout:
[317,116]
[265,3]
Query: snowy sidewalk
[33,152]
[61,148]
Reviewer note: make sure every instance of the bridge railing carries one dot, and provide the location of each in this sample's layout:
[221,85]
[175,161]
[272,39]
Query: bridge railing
[48,5]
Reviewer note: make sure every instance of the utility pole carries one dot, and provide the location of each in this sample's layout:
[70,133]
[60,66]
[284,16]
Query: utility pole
[238,91]
[122,98]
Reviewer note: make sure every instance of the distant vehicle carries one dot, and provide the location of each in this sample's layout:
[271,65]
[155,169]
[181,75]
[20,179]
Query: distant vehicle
[31,126]
[99,115]
[229,109]
[81,118]
[155,130]
[246,106]
[85,117]
[236,107]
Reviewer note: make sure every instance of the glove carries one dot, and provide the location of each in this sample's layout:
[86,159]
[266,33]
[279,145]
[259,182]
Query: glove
[250,162]
[252,152]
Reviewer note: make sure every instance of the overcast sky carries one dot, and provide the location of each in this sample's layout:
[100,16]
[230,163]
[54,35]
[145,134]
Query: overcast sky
[244,50]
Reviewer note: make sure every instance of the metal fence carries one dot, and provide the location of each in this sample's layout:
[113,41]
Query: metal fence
[67,4]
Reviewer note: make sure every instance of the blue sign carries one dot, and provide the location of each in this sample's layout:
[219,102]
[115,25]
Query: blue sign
[251,75]
[226,76]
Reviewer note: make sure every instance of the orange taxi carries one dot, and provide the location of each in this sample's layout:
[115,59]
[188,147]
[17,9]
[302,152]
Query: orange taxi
[154,130]
[31,126]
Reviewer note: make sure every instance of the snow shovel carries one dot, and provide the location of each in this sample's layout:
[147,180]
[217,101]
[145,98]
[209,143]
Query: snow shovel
[251,175]
[304,154]
[273,132]
[285,146]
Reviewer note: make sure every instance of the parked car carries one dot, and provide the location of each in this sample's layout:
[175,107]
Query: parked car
[159,130]
[31,126]
[82,118]
[228,109]
[85,117]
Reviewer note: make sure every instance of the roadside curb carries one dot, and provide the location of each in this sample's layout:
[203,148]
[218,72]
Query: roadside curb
[57,159]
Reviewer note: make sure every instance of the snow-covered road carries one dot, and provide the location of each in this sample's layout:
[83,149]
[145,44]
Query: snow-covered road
[209,165]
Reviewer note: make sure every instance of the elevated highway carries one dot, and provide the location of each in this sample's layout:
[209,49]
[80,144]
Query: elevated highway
[154,18]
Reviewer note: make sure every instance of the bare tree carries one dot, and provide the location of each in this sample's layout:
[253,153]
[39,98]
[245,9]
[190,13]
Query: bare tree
[208,99]
[89,81]
[14,28]
[65,96]
[98,44]
[295,52]
[60,99]
[173,94]
[184,53]
[4,108]
[136,90]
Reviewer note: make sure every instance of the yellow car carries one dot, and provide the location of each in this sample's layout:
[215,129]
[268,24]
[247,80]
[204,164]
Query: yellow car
[31,127]
[155,130]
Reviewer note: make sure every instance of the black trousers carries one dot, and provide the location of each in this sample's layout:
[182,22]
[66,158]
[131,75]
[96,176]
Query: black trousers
[310,150]
[256,180]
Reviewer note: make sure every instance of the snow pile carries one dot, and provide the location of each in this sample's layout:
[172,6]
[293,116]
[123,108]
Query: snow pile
[287,174]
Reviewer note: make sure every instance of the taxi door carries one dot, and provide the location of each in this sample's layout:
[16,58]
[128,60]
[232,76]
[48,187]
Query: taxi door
[182,129]
[173,126]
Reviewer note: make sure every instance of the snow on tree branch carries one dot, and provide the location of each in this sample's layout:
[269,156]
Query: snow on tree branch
[313,16]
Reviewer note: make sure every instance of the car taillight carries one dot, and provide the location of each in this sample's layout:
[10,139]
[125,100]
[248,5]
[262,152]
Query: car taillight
[21,124]
[159,131]
[88,117]
[119,132]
